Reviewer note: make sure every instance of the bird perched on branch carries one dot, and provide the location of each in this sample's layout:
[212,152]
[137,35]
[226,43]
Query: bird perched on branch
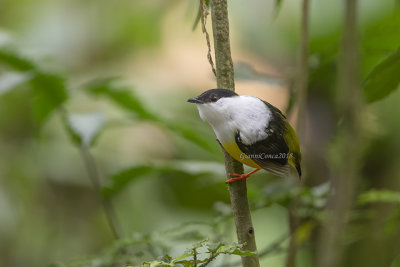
[252,131]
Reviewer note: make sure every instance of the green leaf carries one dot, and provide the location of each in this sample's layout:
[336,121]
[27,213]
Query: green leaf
[197,19]
[48,89]
[84,128]
[121,95]
[198,16]
[10,80]
[124,97]
[373,196]
[190,168]
[76,139]
[181,257]
[157,263]
[383,79]
[242,252]
[191,134]
[120,180]
[383,34]
[15,61]
[233,249]
[49,94]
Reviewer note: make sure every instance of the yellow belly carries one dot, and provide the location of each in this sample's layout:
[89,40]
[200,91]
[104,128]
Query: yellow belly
[236,153]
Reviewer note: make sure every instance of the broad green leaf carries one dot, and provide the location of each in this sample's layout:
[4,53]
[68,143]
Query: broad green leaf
[84,128]
[167,257]
[190,168]
[383,79]
[48,90]
[384,34]
[373,196]
[10,80]
[190,133]
[15,61]
[49,94]
[241,252]
[233,249]
[181,257]
[120,180]
[121,95]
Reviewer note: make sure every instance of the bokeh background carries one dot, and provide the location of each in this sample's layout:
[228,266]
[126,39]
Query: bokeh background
[158,163]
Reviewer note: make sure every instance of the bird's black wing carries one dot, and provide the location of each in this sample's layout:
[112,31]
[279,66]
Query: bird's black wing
[270,153]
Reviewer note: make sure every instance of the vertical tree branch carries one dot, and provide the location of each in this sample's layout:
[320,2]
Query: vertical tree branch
[109,211]
[348,140]
[225,79]
[302,78]
[301,90]
[223,59]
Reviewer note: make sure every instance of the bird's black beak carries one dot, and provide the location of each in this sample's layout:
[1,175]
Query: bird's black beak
[195,100]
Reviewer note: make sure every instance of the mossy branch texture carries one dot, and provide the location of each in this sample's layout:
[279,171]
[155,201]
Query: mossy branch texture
[225,79]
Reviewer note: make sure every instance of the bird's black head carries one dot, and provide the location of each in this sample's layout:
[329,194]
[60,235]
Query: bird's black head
[211,96]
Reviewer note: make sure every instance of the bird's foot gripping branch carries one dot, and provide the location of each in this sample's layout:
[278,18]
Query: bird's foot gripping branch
[237,177]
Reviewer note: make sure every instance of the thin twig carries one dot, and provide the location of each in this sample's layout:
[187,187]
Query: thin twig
[212,257]
[274,247]
[94,177]
[204,14]
[302,78]
[301,90]
[195,257]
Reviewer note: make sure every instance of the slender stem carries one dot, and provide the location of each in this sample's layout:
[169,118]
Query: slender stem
[301,90]
[203,16]
[349,135]
[302,78]
[94,177]
[225,79]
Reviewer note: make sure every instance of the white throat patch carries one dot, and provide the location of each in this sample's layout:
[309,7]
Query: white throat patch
[246,114]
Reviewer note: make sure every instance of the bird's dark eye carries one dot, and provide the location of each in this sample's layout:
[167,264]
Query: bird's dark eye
[214,98]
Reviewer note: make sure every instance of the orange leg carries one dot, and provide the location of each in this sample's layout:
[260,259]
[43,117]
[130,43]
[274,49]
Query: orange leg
[237,177]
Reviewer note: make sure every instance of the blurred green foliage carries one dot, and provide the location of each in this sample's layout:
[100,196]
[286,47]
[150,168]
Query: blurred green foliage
[49,106]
